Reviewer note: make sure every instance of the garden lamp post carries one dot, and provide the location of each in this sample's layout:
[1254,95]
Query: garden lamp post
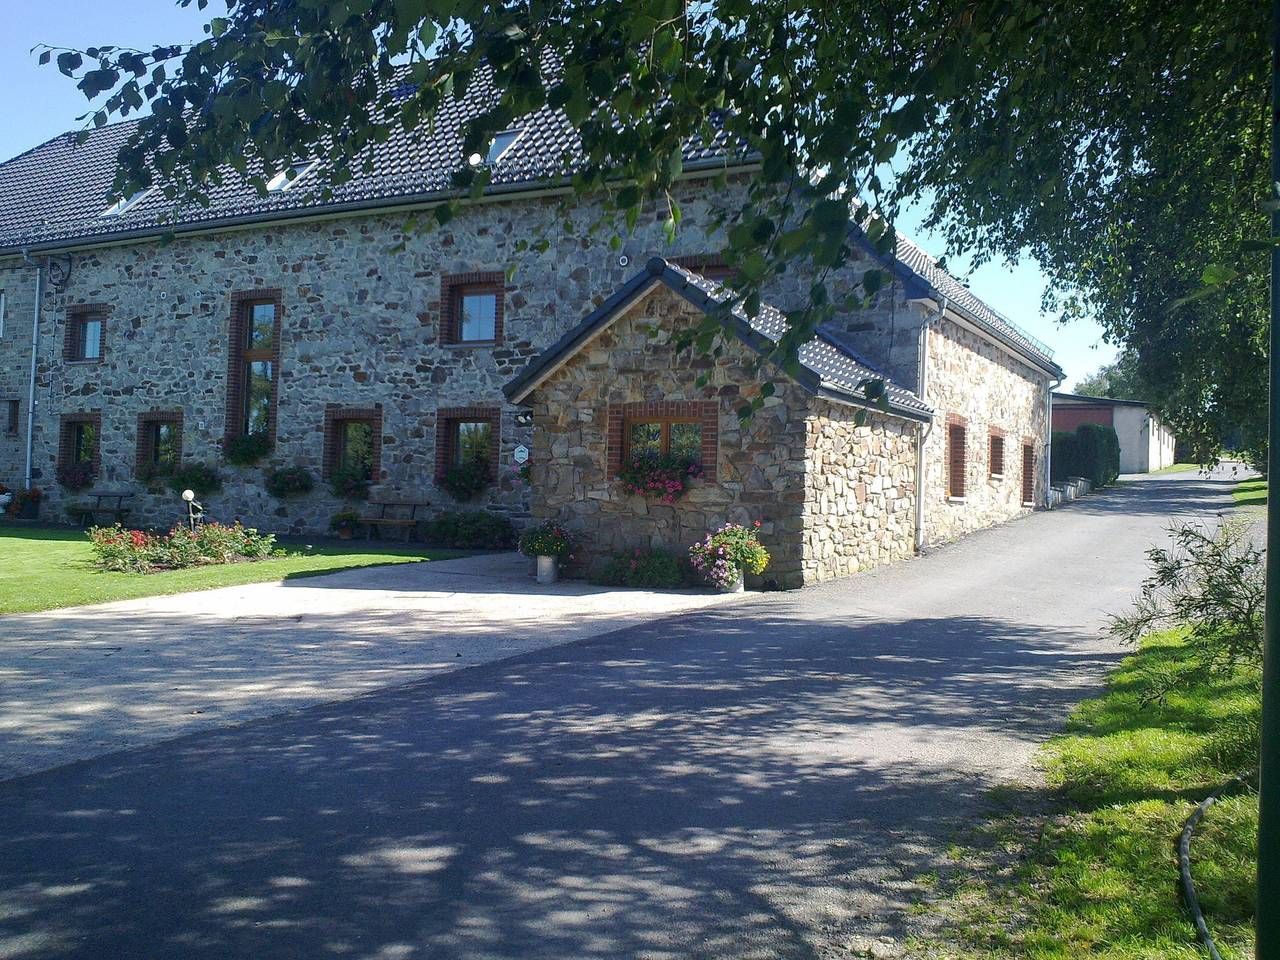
[194,509]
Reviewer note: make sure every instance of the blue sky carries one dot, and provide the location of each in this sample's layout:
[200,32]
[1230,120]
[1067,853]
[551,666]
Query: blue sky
[37,103]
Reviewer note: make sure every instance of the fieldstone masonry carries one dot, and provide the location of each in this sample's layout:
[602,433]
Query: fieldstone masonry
[366,327]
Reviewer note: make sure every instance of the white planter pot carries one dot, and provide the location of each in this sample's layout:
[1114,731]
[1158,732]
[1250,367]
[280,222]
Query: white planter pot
[548,570]
[736,586]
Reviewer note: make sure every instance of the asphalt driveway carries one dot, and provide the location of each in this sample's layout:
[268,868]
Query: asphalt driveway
[758,780]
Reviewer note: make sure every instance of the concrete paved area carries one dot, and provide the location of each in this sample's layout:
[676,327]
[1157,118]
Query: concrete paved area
[83,681]
[759,780]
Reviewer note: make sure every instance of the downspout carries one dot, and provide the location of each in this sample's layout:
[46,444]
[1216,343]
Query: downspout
[35,353]
[925,429]
[1048,438]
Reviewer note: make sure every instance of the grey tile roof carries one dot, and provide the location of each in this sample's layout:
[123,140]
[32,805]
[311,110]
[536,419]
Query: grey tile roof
[828,367]
[57,191]
[926,268]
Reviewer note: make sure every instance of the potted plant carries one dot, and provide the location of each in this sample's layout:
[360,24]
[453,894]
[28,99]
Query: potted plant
[289,482]
[549,544]
[26,504]
[350,483]
[662,478]
[721,557]
[76,476]
[344,522]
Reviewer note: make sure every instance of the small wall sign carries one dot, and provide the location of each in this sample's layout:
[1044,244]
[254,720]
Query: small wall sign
[520,454]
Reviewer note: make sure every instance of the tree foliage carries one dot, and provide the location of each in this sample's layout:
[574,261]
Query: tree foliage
[1119,380]
[1121,142]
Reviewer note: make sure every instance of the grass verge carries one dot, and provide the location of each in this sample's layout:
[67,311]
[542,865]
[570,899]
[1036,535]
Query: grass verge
[1177,468]
[1098,875]
[47,568]
[1250,493]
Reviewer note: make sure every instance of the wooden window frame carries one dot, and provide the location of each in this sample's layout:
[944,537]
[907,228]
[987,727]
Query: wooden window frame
[334,418]
[1028,472]
[705,412]
[446,420]
[665,423]
[146,442]
[995,454]
[67,439]
[73,341]
[957,479]
[239,356]
[455,286]
[709,265]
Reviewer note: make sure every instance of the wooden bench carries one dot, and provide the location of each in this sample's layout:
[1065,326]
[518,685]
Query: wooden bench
[104,504]
[392,515]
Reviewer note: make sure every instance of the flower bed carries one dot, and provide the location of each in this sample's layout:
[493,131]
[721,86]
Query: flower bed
[136,551]
[721,557]
[665,478]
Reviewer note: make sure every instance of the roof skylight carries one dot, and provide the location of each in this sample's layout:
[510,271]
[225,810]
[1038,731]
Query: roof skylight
[120,206]
[502,142]
[290,175]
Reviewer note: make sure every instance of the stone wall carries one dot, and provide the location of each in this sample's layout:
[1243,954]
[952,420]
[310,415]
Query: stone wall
[18,285]
[360,329]
[859,491]
[972,379]
[760,468]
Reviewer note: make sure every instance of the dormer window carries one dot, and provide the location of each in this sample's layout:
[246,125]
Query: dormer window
[287,177]
[120,206]
[502,143]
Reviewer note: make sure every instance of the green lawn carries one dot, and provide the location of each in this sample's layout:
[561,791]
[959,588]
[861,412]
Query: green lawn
[1097,874]
[1178,468]
[1251,493]
[45,568]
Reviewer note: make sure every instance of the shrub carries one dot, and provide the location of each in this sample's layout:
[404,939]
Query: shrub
[464,481]
[653,569]
[721,557]
[1210,582]
[547,540]
[246,449]
[198,477]
[1098,453]
[350,483]
[289,481]
[1064,456]
[469,530]
[25,500]
[347,518]
[666,478]
[135,551]
[76,476]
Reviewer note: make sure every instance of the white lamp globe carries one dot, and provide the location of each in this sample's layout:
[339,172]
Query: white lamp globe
[188,495]
[475,159]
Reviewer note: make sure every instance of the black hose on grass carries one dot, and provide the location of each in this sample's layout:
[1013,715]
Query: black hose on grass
[1184,862]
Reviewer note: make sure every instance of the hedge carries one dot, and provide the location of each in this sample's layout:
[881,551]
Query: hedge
[1099,453]
[1064,456]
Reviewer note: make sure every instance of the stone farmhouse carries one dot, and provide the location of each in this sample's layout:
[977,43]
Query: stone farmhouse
[134,338]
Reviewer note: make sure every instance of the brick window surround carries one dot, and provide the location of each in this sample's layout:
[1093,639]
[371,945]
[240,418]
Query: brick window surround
[447,418]
[1028,472]
[957,456]
[67,439]
[334,417]
[995,453]
[704,412]
[145,452]
[453,286]
[241,306]
[73,341]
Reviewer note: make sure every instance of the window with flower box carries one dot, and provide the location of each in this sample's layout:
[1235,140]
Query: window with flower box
[79,448]
[687,430]
[467,435]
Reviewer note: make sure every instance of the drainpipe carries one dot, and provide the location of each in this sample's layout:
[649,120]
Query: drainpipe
[1048,437]
[35,352]
[924,430]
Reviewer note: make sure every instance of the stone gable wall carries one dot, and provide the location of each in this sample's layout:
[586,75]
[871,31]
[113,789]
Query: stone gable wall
[760,466]
[859,491]
[969,377]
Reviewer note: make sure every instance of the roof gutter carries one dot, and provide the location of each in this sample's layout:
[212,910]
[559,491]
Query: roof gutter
[332,211]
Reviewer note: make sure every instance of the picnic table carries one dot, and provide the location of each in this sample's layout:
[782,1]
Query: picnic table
[102,503]
[393,515]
